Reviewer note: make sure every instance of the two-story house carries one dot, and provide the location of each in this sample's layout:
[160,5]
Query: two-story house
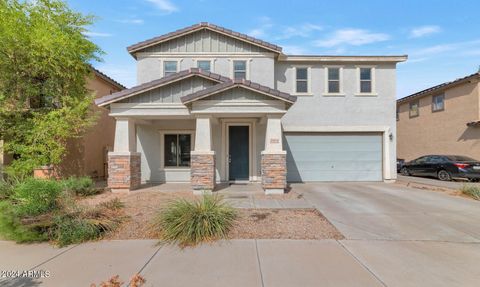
[443,119]
[213,105]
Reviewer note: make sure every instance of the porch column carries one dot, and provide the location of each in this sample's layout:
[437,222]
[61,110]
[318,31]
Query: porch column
[274,162]
[202,166]
[124,162]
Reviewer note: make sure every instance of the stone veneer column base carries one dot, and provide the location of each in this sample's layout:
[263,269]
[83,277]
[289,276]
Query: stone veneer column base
[124,172]
[274,172]
[202,171]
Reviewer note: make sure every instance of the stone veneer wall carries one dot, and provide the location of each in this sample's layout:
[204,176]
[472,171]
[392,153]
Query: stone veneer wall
[202,168]
[124,171]
[274,170]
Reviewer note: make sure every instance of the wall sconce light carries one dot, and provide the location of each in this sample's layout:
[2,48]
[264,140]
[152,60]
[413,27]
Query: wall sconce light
[390,136]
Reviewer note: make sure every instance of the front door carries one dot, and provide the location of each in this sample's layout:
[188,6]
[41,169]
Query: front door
[238,149]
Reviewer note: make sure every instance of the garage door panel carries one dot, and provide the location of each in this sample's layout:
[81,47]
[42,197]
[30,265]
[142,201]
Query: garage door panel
[315,155]
[334,157]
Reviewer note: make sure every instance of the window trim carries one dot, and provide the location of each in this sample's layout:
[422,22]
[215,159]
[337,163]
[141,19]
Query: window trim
[205,60]
[247,68]
[162,148]
[309,81]
[410,109]
[340,82]
[373,92]
[443,108]
[170,60]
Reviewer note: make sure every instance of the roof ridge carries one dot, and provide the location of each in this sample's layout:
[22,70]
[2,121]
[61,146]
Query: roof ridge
[238,82]
[192,28]
[159,82]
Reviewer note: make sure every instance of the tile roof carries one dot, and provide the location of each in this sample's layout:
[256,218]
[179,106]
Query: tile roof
[238,83]
[196,27]
[103,101]
[108,79]
[438,87]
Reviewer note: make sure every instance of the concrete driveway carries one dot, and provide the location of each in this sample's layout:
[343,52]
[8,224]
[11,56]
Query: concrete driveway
[395,236]
[404,236]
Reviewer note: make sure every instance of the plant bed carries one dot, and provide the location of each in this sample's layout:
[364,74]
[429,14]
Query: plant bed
[141,207]
[283,224]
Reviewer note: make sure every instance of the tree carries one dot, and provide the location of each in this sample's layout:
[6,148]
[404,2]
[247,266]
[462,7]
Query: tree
[44,64]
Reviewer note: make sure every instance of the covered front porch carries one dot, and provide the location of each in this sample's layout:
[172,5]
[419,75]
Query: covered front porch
[205,150]
[229,132]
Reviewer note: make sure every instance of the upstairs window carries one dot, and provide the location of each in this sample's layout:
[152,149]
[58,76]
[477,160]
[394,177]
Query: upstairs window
[333,80]
[177,150]
[301,86]
[366,80]
[438,103]
[239,70]
[414,109]
[204,65]
[169,68]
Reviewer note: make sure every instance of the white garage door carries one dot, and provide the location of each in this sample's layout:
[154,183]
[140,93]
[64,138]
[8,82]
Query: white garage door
[333,157]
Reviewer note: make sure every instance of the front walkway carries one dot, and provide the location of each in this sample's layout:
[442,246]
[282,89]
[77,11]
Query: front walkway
[395,236]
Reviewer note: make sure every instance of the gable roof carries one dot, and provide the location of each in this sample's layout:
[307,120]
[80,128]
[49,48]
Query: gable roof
[436,88]
[238,83]
[106,100]
[197,27]
[107,79]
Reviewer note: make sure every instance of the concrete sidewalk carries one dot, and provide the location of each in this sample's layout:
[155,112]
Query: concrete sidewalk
[230,263]
[249,263]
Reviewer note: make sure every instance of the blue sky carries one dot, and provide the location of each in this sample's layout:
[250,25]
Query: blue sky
[442,38]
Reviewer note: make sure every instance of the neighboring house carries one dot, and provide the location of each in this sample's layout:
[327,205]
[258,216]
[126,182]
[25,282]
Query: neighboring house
[87,155]
[443,119]
[213,105]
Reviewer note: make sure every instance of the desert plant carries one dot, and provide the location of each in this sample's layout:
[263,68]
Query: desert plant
[83,186]
[36,196]
[471,190]
[77,223]
[192,222]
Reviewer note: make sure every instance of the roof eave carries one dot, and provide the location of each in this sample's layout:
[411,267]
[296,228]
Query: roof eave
[439,88]
[334,58]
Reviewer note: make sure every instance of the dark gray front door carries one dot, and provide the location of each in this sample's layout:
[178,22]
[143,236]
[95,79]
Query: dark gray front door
[238,152]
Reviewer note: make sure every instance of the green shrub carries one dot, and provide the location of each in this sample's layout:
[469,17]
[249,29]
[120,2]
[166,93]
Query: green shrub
[471,190]
[37,196]
[6,190]
[76,223]
[11,227]
[83,186]
[190,223]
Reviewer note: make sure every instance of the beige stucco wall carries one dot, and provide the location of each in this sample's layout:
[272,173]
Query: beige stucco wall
[85,156]
[443,132]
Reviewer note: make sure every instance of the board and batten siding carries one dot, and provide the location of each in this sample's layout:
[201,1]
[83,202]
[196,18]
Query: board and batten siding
[171,93]
[238,95]
[204,41]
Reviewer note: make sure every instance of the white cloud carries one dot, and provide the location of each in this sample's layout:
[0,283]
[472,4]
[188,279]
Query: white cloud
[132,21]
[261,30]
[164,5]
[294,50]
[96,34]
[424,31]
[258,32]
[303,30]
[448,47]
[354,37]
